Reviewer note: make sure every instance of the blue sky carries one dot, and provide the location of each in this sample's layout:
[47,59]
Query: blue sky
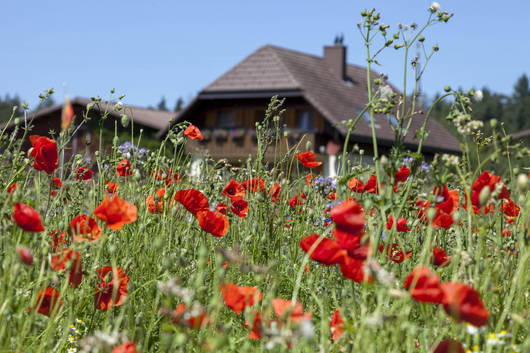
[153,48]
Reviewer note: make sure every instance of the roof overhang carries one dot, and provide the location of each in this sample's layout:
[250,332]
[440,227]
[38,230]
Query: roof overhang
[244,94]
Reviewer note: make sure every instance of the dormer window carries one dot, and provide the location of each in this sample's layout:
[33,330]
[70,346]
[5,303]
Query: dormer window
[226,119]
[305,120]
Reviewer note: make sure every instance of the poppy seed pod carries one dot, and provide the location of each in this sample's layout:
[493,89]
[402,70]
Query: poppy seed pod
[124,120]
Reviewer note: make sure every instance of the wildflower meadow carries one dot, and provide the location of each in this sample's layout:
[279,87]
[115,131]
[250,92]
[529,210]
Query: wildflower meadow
[129,251]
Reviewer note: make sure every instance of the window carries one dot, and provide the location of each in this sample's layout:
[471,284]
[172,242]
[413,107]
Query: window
[366,117]
[392,120]
[225,119]
[305,120]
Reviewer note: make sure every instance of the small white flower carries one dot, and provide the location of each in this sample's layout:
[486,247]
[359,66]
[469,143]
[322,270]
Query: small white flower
[472,330]
[478,95]
[434,7]
[386,92]
[118,106]
[72,350]
[306,329]
[493,340]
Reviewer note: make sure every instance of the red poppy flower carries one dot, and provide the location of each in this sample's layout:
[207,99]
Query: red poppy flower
[157,174]
[193,200]
[327,251]
[222,208]
[111,292]
[49,301]
[213,222]
[401,225]
[57,182]
[348,217]
[195,321]
[308,179]
[116,212]
[25,255]
[353,269]
[286,309]
[85,228]
[239,208]
[356,185]
[336,325]
[158,206]
[511,210]
[127,347]
[84,173]
[111,187]
[506,232]
[234,190]
[12,188]
[252,185]
[308,159]
[275,192]
[447,203]
[172,177]
[486,179]
[59,260]
[352,244]
[27,218]
[371,185]
[447,199]
[294,202]
[395,253]
[124,168]
[424,285]
[58,239]
[45,153]
[402,174]
[238,298]
[257,327]
[440,258]
[463,303]
[449,346]
[193,132]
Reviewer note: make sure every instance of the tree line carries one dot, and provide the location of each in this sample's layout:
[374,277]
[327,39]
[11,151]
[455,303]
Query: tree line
[512,111]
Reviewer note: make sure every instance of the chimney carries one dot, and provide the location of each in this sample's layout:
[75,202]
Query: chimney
[335,58]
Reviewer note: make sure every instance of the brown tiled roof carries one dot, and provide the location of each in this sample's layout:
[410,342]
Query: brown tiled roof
[155,119]
[271,68]
[521,134]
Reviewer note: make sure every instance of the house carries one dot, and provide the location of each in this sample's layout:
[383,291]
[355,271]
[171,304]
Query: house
[86,140]
[320,93]
[522,136]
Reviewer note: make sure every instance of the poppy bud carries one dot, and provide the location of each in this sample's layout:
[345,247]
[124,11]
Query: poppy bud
[308,145]
[484,195]
[431,213]
[493,123]
[124,120]
[25,255]
[17,120]
[136,175]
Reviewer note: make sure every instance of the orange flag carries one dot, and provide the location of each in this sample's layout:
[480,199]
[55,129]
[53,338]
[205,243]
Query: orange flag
[67,115]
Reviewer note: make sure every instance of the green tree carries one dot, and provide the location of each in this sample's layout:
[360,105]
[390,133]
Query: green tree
[492,106]
[162,104]
[179,105]
[6,107]
[518,109]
